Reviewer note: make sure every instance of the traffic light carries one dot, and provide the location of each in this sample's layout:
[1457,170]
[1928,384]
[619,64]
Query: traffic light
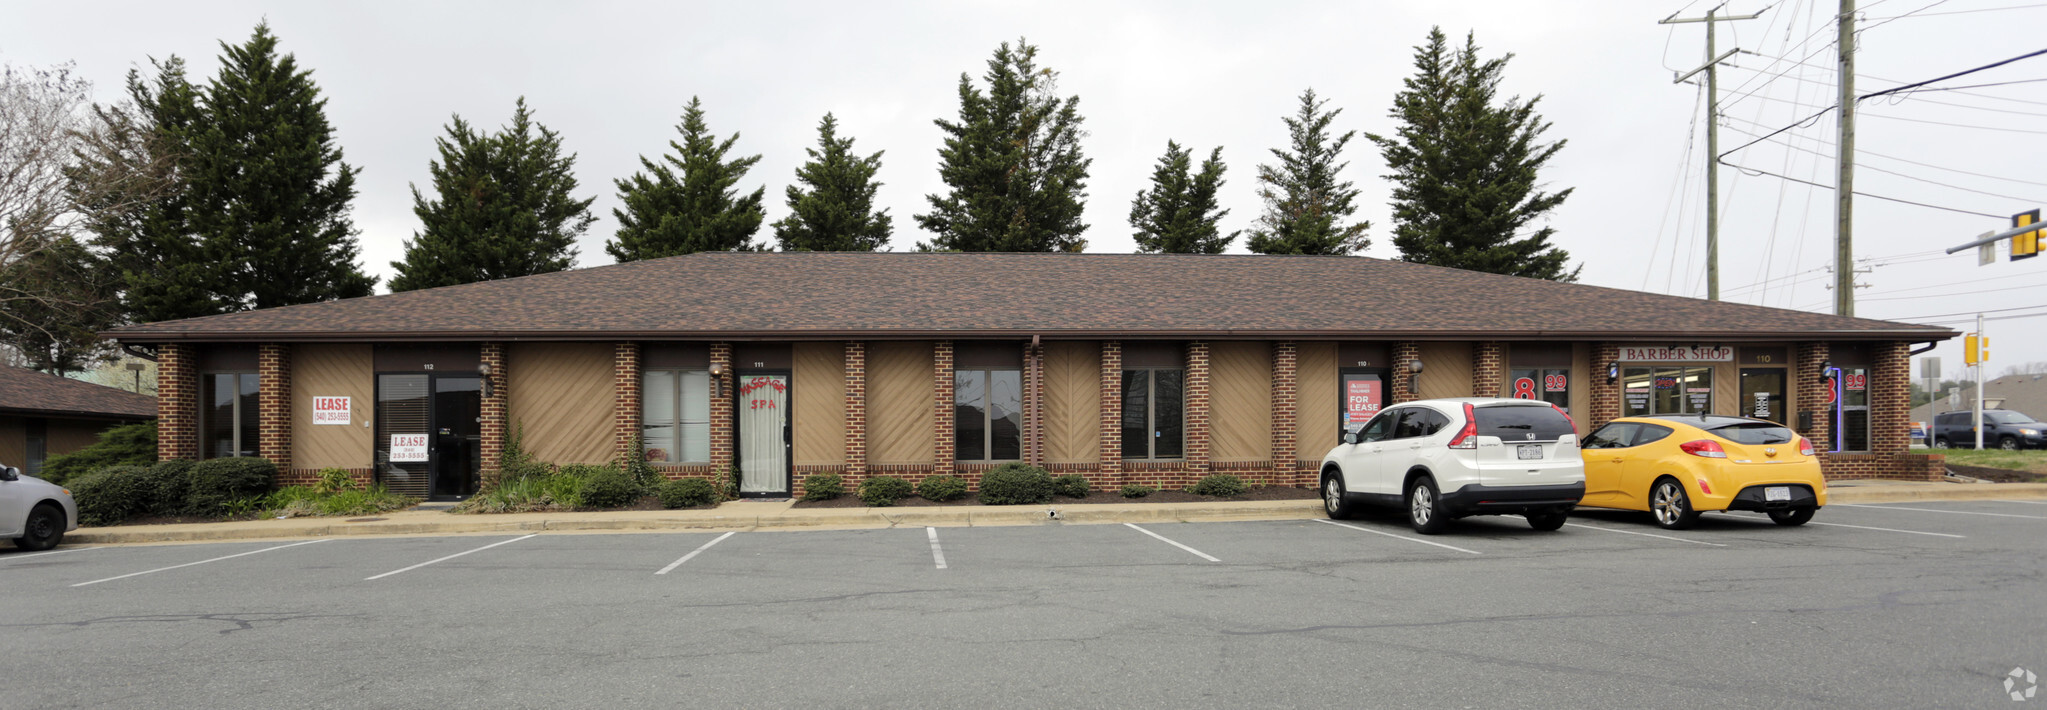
[1975,349]
[2027,245]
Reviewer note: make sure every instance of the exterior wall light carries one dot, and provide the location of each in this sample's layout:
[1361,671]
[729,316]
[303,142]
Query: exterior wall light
[1414,379]
[484,371]
[717,379]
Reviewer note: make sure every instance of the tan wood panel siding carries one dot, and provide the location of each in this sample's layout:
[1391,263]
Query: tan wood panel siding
[13,442]
[333,371]
[1726,388]
[1073,402]
[1446,370]
[1317,400]
[1241,401]
[560,395]
[899,403]
[1581,387]
[818,383]
[69,435]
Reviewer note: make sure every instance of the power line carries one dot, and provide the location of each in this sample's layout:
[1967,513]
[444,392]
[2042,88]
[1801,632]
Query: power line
[1858,192]
[1958,12]
[1945,295]
[1861,152]
[1964,72]
[1969,313]
[1858,33]
[1899,174]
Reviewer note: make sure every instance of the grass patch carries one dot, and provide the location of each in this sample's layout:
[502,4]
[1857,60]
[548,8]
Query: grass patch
[2034,461]
[306,501]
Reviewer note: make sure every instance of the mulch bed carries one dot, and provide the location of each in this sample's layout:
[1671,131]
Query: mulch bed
[1097,497]
[1997,475]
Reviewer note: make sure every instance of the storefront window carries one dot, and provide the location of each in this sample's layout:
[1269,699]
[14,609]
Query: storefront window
[676,416]
[1666,390]
[228,415]
[1549,384]
[1152,414]
[1762,393]
[1851,426]
[988,415]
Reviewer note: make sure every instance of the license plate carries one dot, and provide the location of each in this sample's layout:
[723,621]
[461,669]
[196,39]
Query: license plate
[1528,451]
[1777,493]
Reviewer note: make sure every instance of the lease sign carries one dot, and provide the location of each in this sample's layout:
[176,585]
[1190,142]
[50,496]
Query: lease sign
[408,448]
[1361,400]
[331,410]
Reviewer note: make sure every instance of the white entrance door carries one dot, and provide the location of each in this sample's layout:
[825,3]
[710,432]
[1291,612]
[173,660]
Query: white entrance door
[763,435]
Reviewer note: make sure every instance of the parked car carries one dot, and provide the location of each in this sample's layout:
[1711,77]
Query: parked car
[34,513]
[2003,428]
[1677,466]
[1443,459]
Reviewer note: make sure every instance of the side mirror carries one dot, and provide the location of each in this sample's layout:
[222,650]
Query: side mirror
[1350,437]
[9,473]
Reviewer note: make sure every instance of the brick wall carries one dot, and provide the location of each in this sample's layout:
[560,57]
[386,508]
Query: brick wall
[856,414]
[1890,455]
[943,442]
[1197,408]
[273,404]
[1400,389]
[1110,472]
[625,401]
[1605,394]
[177,402]
[1487,360]
[721,408]
[1285,414]
[1812,393]
[492,428]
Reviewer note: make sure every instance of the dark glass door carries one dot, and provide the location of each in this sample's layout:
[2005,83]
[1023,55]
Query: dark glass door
[429,442]
[458,436]
[1762,393]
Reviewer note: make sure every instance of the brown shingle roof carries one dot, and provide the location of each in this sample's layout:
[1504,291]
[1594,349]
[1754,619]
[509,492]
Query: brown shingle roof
[902,295]
[27,392]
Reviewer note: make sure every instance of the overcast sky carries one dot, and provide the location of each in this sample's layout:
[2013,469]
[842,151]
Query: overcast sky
[612,77]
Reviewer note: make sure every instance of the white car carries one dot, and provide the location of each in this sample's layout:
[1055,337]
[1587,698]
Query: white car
[33,512]
[1442,459]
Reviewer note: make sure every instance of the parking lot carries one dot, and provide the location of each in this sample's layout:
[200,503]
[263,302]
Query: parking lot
[1919,604]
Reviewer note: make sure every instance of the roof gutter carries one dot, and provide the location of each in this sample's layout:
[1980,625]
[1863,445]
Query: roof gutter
[130,338]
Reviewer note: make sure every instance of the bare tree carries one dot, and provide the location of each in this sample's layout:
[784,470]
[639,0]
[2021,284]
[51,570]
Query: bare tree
[2036,367]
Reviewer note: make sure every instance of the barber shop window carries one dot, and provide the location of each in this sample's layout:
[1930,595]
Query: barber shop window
[228,414]
[1666,390]
[675,415]
[1152,413]
[1540,371]
[1851,427]
[988,414]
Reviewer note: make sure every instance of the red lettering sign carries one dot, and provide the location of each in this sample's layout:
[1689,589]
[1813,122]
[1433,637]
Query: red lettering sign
[1524,388]
[1361,400]
[1554,383]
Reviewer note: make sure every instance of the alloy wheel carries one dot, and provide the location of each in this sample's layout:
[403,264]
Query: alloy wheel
[1332,494]
[1667,503]
[1423,505]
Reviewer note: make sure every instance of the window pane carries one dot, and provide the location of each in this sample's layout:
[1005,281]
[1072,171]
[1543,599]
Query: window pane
[1698,386]
[1165,414]
[1556,388]
[1136,433]
[970,393]
[1670,390]
[657,415]
[1762,394]
[1005,415]
[1636,389]
[249,416]
[694,434]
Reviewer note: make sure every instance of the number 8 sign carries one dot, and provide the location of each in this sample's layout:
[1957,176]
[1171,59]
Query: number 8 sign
[1524,388]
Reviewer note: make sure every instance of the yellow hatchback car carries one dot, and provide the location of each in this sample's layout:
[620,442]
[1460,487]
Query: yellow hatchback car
[1680,465]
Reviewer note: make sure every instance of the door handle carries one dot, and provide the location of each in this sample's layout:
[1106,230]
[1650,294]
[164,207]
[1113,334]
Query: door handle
[1618,460]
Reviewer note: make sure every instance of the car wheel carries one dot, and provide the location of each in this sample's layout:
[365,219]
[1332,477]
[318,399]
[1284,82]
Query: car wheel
[44,530]
[1940,443]
[2008,443]
[1548,521]
[1333,500]
[1670,506]
[1425,507]
[1792,517]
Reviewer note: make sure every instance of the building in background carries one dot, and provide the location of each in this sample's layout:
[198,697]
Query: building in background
[44,415]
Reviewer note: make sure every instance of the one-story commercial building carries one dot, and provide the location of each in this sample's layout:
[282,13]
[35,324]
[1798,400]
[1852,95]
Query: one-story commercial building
[1155,369]
[43,415]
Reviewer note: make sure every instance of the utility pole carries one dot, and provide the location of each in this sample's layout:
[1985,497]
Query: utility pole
[1978,420]
[1711,68]
[1844,182]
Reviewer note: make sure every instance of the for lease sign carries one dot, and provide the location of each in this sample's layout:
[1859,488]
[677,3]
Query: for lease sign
[1659,353]
[408,448]
[331,410]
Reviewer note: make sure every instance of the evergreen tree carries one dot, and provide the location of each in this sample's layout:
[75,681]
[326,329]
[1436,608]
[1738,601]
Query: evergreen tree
[1179,214]
[57,330]
[1465,169]
[837,213]
[505,207]
[1013,162]
[1305,206]
[269,195]
[686,204]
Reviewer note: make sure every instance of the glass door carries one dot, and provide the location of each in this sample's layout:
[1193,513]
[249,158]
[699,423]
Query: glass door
[762,404]
[403,418]
[458,442]
[1362,395]
[1762,393]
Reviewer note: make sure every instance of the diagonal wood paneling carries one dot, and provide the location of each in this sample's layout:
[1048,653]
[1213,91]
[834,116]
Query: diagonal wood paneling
[1073,401]
[333,371]
[899,403]
[1318,404]
[818,385]
[13,442]
[1446,370]
[560,393]
[1240,393]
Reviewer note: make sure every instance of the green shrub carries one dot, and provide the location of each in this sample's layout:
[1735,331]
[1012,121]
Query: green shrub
[608,487]
[883,490]
[1221,485]
[128,444]
[299,501]
[217,482]
[112,495]
[515,463]
[582,471]
[687,493]
[1138,490]
[527,494]
[942,488]
[1072,485]
[170,482]
[636,466]
[1016,484]
[823,486]
[334,480]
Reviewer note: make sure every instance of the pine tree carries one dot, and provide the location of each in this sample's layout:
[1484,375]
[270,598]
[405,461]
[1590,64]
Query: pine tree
[505,207]
[57,330]
[269,195]
[1013,162]
[837,213]
[686,204]
[1179,214]
[1305,205]
[1465,169]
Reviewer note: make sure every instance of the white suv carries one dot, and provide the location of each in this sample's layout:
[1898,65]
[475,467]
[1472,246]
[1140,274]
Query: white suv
[34,512]
[1442,459]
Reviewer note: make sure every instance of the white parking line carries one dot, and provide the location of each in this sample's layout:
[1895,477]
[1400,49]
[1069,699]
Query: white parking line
[693,553]
[201,562]
[51,552]
[937,554]
[1937,510]
[2027,502]
[1197,553]
[1643,534]
[1403,537]
[445,559]
[1865,527]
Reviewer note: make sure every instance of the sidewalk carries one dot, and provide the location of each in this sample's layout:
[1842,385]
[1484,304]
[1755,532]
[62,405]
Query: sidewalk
[750,516]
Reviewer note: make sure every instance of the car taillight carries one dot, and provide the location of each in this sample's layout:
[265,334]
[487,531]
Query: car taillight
[1703,447]
[1704,486]
[1467,438]
[1805,446]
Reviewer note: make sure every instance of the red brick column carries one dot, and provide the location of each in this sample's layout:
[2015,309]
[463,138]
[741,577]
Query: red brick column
[1400,389]
[1111,431]
[721,413]
[177,402]
[1890,404]
[273,398]
[856,413]
[492,430]
[1287,469]
[1605,395]
[625,401]
[1487,363]
[1812,394]
[1197,408]
[943,437]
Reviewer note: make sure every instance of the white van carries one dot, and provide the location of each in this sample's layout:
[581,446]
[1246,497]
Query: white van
[1443,459]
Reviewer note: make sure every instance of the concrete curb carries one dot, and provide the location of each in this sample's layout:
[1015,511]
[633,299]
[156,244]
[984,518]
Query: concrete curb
[1936,491]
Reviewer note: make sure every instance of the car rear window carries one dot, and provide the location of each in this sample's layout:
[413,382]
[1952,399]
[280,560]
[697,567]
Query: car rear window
[1516,423]
[1753,433]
